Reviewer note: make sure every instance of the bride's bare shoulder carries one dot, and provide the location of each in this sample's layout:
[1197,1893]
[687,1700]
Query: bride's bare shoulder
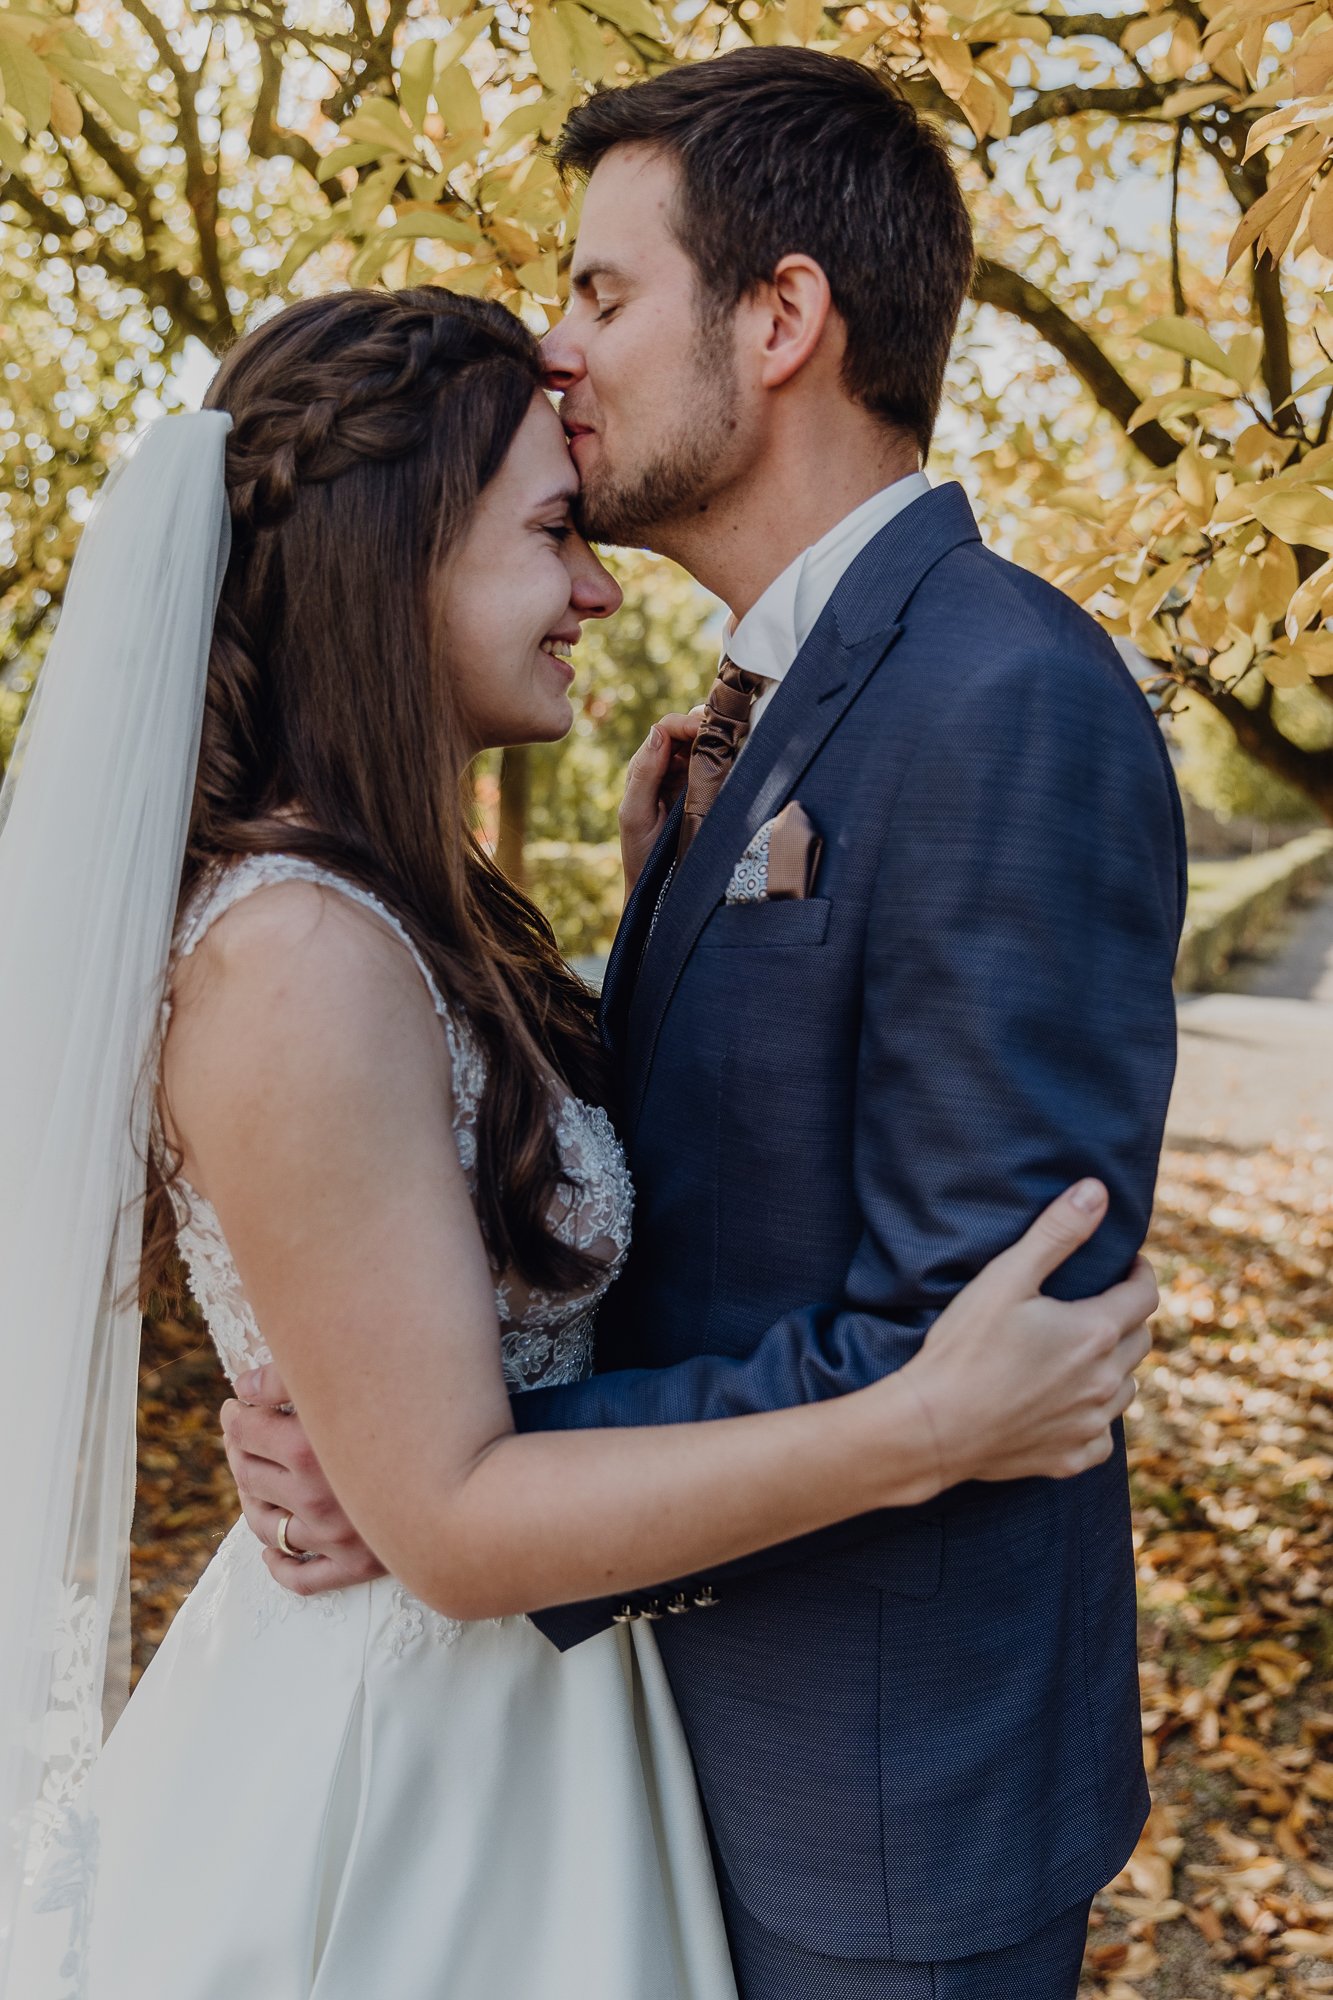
[290,940]
[296,991]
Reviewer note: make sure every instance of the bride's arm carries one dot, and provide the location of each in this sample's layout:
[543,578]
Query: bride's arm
[308,1083]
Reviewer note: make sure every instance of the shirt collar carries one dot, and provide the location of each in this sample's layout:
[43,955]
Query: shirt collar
[774,629]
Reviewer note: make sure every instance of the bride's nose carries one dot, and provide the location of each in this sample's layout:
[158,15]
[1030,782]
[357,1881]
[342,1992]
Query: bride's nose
[594,592]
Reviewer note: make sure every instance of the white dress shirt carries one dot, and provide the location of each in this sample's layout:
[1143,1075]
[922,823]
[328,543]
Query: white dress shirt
[777,625]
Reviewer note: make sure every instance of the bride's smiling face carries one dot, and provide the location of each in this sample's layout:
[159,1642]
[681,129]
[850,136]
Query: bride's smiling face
[516,591]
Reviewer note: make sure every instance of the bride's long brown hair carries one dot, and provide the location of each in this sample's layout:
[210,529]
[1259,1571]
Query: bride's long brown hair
[364,427]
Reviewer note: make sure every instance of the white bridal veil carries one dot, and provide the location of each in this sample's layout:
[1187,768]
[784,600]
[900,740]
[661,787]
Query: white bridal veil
[93,820]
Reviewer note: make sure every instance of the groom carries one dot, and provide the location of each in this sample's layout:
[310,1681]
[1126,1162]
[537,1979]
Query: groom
[859,1050]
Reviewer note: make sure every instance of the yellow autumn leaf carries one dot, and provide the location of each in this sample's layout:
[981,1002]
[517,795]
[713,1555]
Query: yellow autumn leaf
[432,223]
[986,107]
[951,60]
[1152,590]
[372,197]
[25,79]
[632,17]
[1282,670]
[592,57]
[1321,217]
[1196,481]
[1313,652]
[1309,598]
[1245,355]
[459,101]
[1235,660]
[1193,98]
[1171,403]
[66,114]
[1278,581]
[416,73]
[1187,337]
[1209,622]
[551,52]
[1313,68]
[1300,516]
[1146,29]
[1272,212]
[805,18]
[376,122]
[539,276]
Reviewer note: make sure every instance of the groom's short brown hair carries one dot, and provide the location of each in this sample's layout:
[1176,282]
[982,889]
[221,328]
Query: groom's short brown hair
[783,150]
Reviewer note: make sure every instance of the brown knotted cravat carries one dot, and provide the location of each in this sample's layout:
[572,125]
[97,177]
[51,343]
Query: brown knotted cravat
[725,726]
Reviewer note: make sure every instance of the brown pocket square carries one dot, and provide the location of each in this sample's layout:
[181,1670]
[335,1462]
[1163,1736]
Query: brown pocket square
[780,863]
[794,849]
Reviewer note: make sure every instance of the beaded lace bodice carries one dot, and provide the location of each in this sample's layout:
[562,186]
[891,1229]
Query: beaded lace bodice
[545,1337]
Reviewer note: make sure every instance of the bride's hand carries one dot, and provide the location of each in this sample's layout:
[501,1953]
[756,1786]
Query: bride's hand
[653,783]
[1011,1383]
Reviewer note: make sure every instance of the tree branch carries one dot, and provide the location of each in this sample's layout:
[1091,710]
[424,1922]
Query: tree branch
[1270,308]
[200,179]
[1117,101]
[268,140]
[1179,302]
[1101,27]
[996,285]
[114,157]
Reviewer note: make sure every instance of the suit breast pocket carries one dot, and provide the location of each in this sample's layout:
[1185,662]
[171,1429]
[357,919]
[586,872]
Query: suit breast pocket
[775,926]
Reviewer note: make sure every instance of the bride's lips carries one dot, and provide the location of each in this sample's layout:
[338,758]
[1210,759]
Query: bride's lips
[558,660]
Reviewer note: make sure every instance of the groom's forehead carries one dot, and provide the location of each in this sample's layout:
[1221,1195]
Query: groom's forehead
[628,201]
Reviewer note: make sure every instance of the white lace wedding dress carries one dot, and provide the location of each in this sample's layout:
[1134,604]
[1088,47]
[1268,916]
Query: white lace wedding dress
[353,1798]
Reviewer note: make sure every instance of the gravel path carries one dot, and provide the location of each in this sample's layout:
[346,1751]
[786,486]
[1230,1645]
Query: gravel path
[1256,1065]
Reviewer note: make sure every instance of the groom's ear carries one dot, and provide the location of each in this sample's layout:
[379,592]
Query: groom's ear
[795,318]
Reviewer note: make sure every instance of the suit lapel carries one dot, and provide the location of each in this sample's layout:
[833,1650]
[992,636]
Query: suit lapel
[855,633]
[811,701]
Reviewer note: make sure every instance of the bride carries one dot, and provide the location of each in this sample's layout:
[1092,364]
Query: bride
[268,996]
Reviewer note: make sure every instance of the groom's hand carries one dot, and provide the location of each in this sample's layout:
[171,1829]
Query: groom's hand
[279,1479]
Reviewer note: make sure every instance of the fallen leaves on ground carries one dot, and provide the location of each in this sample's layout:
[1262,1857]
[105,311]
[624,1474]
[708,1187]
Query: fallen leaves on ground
[1230,1894]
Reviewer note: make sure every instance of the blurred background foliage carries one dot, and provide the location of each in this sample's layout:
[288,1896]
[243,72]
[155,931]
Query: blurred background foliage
[1141,400]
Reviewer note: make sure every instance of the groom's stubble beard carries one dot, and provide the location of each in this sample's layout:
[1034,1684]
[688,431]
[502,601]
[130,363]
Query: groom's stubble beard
[678,480]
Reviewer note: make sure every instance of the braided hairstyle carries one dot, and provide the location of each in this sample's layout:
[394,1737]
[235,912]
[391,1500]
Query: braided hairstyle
[364,427]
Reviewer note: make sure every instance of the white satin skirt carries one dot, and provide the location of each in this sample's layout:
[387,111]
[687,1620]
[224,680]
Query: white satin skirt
[351,1798]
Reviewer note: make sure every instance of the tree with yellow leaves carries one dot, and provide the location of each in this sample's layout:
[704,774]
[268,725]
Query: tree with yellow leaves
[1148,418]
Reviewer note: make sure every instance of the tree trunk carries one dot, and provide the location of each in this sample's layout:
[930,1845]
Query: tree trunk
[1310,771]
[515,790]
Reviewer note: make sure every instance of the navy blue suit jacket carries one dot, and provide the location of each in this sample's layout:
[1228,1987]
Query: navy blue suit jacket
[916,1735]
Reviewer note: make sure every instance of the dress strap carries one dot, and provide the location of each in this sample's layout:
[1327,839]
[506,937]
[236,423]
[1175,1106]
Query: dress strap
[226,886]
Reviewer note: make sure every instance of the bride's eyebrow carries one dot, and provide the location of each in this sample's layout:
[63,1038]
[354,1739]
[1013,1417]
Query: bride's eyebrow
[562,497]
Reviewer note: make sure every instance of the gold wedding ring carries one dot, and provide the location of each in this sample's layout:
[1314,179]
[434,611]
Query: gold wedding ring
[285,1522]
